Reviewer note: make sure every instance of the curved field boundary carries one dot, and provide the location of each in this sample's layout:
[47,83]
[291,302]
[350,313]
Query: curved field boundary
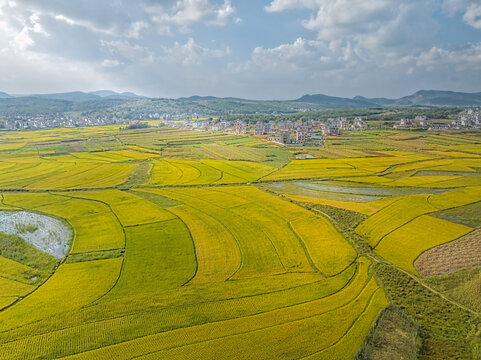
[218,254]
[259,257]
[173,265]
[329,250]
[95,226]
[403,246]
[14,270]
[98,334]
[264,323]
[55,295]
[13,288]
[287,333]
[407,209]
[122,203]
[461,253]
[348,346]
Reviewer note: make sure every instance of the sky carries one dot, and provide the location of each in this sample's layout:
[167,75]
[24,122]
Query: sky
[256,49]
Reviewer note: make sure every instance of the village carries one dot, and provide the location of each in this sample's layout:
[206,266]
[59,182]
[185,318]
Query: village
[289,133]
[285,132]
[56,121]
[467,119]
[312,132]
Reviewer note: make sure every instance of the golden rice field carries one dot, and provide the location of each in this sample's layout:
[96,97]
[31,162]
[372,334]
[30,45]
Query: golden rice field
[204,245]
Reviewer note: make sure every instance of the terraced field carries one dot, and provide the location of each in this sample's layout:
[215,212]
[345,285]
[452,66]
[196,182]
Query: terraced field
[200,245]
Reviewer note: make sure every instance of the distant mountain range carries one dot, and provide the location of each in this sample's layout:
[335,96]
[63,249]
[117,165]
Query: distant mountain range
[110,101]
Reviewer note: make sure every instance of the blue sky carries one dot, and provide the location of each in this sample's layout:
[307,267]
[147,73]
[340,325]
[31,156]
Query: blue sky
[272,49]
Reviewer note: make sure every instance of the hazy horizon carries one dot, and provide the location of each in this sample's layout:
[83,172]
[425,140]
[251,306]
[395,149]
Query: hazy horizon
[208,95]
[276,49]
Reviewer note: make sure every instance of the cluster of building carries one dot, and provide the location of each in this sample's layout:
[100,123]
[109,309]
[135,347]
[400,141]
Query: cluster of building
[49,121]
[467,119]
[418,122]
[342,123]
[286,132]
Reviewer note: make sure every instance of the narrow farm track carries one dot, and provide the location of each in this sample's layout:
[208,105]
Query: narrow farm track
[212,259]
[379,259]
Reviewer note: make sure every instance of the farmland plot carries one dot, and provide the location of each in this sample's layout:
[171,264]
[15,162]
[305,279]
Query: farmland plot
[189,260]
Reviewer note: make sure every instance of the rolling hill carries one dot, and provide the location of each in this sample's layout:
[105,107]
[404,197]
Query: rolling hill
[107,100]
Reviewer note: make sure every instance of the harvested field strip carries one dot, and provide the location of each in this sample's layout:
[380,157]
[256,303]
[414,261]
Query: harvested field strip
[55,296]
[95,255]
[405,244]
[217,252]
[173,264]
[277,315]
[462,253]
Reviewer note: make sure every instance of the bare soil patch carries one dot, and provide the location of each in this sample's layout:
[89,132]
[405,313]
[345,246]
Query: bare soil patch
[456,255]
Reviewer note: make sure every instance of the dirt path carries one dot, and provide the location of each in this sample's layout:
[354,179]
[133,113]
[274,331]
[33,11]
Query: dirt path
[379,259]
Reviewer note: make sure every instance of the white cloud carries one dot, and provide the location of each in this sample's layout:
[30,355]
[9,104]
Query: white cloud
[281,5]
[471,11]
[23,39]
[302,58]
[370,24]
[36,73]
[188,12]
[472,16]
[467,58]
[191,54]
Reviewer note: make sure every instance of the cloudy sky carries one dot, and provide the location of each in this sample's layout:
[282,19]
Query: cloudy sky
[264,49]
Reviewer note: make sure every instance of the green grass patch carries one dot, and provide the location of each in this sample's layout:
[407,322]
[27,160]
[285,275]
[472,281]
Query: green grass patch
[469,215]
[15,248]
